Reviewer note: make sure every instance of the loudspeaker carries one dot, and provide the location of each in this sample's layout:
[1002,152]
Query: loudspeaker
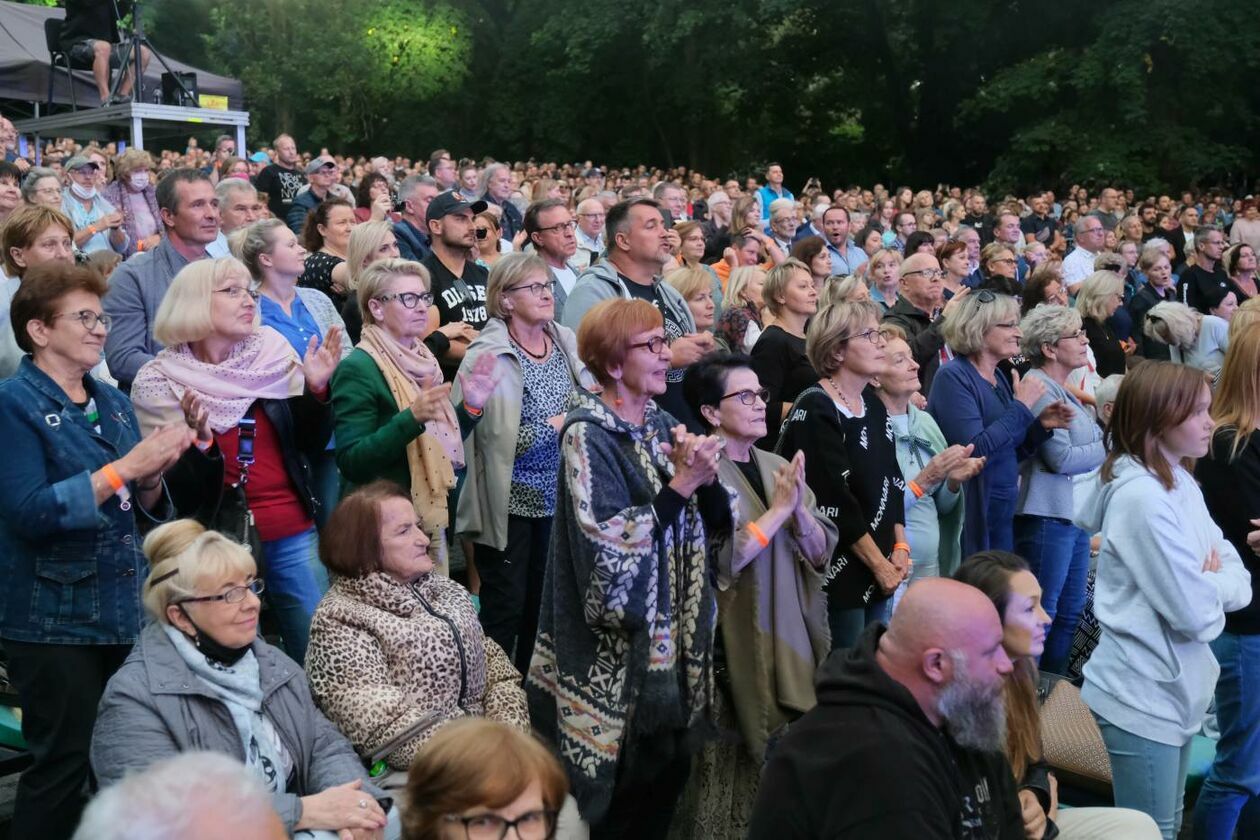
[171,93]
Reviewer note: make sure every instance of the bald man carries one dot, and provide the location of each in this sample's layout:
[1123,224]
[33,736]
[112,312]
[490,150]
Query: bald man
[919,314]
[906,739]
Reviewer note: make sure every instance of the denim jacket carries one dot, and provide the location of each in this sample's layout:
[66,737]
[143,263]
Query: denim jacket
[72,570]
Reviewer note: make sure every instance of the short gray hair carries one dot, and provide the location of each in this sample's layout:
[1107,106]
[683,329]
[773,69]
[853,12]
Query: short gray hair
[781,204]
[1046,324]
[1105,392]
[508,271]
[37,174]
[169,797]
[971,318]
[411,182]
[483,182]
[1201,234]
[231,185]
[1091,298]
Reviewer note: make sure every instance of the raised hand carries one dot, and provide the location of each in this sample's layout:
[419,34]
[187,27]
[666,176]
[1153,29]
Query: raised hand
[320,361]
[1027,391]
[430,403]
[196,416]
[479,381]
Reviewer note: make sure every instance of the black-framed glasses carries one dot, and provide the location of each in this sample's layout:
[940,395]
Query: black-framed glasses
[88,319]
[532,825]
[873,335]
[655,344]
[748,396]
[536,289]
[563,227]
[233,596]
[235,292]
[410,300]
[1003,261]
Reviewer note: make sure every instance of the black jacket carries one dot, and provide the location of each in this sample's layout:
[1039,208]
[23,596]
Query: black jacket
[1231,490]
[922,334]
[304,425]
[867,763]
[1108,352]
[1143,302]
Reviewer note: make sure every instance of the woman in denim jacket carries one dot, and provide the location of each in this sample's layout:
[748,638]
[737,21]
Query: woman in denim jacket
[77,487]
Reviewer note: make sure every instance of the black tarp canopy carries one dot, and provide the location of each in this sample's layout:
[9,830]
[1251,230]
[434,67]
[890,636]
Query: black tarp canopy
[24,64]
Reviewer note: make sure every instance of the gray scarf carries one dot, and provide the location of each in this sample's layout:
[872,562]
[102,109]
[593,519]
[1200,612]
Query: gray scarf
[240,688]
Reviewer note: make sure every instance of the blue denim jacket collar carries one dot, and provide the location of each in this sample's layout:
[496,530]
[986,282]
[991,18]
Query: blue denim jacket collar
[112,415]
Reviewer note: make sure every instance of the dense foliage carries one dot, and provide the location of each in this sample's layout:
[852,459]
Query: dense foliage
[1150,93]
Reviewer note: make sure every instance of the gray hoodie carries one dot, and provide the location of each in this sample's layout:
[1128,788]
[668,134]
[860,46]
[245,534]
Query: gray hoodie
[1153,673]
[601,282]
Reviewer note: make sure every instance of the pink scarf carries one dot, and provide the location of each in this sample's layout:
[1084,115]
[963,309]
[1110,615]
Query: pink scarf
[262,366]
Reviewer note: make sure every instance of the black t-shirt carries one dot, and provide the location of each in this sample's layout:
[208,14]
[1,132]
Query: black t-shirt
[459,298]
[1200,288]
[281,186]
[1041,229]
[672,400]
[779,360]
[91,20]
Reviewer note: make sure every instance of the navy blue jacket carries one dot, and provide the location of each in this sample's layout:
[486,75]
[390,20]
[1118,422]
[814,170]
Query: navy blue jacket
[72,570]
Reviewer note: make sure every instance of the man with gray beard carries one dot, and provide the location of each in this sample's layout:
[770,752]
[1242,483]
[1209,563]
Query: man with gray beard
[906,738]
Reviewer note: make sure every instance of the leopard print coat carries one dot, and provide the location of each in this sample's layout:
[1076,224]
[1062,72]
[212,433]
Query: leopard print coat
[383,655]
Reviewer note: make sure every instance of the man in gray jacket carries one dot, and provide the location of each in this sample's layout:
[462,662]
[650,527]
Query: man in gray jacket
[639,244]
[190,214]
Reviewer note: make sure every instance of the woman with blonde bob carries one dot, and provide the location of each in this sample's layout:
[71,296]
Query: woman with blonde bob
[222,688]
[851,462]
[1230,479]
[778,357]
[696,287]
[1193,338]
[478,777]
[843,289]
[976,402]
[1167,577]
[394,416]
[369,242]
[133,191]
[261,414]
[509,496]
[740,323]
[1098,298]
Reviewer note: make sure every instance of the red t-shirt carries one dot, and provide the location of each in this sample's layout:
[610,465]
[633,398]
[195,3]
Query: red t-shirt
[270,493]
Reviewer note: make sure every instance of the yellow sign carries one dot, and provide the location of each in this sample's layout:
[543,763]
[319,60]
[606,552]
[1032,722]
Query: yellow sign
[214,103]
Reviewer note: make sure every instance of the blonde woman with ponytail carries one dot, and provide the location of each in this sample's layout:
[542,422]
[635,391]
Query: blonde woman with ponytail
[201,678]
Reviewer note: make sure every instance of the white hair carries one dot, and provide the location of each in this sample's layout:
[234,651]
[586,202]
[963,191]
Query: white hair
[782,204]
[231,185]
[168,798]
[1106,391]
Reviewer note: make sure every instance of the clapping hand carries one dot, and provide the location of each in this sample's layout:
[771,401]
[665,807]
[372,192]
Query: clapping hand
[479,381]
[196,416]
[695,459]
[1027,391]
[1057,415]
[788,485]
[320,361]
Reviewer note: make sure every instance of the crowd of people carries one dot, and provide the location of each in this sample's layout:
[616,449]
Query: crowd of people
[454,498]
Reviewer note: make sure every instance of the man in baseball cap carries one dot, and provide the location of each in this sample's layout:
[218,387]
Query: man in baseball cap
[452,201]
[458,284]
[322,173]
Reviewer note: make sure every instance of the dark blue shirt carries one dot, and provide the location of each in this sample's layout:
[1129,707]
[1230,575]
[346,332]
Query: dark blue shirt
[297,328]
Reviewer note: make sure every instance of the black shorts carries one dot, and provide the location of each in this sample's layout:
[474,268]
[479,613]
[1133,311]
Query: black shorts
[82,54]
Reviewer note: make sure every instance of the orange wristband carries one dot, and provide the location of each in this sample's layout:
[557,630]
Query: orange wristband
[902,546]
[91,229]
[112,476]
[916,489]
[472,412]
[758,534]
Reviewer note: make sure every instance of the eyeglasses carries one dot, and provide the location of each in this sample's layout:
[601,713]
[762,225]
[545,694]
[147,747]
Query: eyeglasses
[532,825]
[749,397]
[655,344]
[563,227]
[1003,261]
[88,319]
[408,299]
[536,288]
[873,335]
[1079,335]
[233,596]
[929,273]
[235,292]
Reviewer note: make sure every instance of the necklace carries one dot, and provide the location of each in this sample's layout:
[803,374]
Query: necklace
[530,353]
[844,399]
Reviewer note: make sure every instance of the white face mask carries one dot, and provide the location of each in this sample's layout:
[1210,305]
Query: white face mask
[139,180]
[81,191]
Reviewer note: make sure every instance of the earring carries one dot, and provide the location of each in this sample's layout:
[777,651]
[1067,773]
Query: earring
[618,401]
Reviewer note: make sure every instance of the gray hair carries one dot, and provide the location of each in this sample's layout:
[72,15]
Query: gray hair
[1046,324]
[819,211]
[37,174]
[662,187]
[1091,298]
[1105,392]
[1078,227]
[1175,324]
[168,798]
[1201,234]
[411,182]
[511,270]
[781,204]
[483,182]
[971,319]
[231,185]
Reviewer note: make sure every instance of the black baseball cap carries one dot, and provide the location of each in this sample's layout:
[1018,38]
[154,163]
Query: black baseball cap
[451,201]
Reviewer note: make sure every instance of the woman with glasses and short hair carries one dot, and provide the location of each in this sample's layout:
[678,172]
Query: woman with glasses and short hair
[394,416]
[509,495]
[261,414]
[223,689]
[1000,268]
[1056,550]
[851,464]
[77,488]
[976,402]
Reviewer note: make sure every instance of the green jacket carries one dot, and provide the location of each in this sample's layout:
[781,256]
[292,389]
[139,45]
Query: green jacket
[371,433]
